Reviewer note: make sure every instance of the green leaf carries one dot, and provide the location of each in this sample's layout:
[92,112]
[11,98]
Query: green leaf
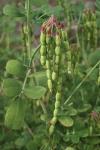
[66,121]
[75,139]
[94,57]
[85,108]
[83,133]
[16,68]
[72,111]
[11,87]
[40,78]
[35,92]
[20,142]
[69,148]
[15,114]
[11,11]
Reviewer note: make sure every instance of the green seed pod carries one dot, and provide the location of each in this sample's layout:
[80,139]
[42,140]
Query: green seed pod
[48,39]
[50,85]
[54,120]
[88,24]
[64,36]
[43,38]
[54,75]
[58,96]
[47,64]
[57,50]
[58,40]
[57,60]
[48,74]
[57,104]
[43,60]
[51,129]
[55,112]
[43,50]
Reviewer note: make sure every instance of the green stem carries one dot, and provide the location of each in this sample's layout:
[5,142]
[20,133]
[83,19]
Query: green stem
[27,7]
[29,70]
[80,84]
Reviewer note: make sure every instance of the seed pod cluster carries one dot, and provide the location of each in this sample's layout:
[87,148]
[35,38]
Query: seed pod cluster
[57,106]
[57,78]
[43,47]
[90,27]
[51,54]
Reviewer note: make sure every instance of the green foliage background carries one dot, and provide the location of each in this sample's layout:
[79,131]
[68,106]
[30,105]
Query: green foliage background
[24,118]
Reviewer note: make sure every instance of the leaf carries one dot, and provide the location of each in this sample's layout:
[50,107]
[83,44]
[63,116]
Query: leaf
[40,78]
[66,121]
[11,87]
[93,140]
[11,11]
[69,111]
[16,68]
[15,114]
[35,92]
[20,142]
[85,108]
[69,148]
[83,133]
[72,111]
[94,57]
[75,139]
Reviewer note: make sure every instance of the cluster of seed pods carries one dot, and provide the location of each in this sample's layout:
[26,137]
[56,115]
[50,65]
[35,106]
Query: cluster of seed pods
[90,27]
[51,56]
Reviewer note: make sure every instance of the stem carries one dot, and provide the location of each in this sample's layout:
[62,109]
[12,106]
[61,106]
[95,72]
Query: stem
[29,70]
[80,84]
[27,7]
[35,51]
[25,80]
